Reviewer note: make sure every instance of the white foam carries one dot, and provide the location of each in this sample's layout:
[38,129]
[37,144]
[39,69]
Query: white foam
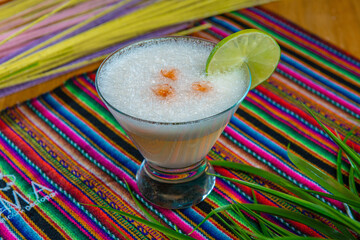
[126,82]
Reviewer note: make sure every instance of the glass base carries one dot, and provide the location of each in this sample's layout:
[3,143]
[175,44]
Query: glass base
[175,188]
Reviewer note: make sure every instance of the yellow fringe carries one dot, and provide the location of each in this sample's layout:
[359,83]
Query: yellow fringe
[36,63]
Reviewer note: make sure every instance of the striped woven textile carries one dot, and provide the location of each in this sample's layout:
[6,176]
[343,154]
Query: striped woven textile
[63,149]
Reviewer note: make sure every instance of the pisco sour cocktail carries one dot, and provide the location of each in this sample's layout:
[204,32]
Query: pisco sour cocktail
[172,111]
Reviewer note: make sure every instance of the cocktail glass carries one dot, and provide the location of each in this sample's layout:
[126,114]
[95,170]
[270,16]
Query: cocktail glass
[174,172]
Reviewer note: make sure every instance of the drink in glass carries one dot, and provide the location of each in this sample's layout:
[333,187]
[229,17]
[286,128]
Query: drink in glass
[159,93]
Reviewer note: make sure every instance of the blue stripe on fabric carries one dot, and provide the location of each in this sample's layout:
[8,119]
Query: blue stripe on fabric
[257,136]
[16,151]
[321,79]
[21,172]
[90,133]
[59,189]
[225,24]
[20,224]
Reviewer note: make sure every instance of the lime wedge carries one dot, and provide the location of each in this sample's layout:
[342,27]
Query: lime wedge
[254,47]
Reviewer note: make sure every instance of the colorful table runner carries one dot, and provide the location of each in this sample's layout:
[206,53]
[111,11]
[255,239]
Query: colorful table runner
[64,149]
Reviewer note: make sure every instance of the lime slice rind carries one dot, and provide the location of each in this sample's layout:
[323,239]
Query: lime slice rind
[257,48]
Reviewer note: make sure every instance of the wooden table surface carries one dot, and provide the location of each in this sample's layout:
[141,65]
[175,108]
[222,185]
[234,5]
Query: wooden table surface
[336,21]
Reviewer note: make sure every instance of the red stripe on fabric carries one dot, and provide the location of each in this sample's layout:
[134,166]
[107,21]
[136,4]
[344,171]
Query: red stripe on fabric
[318,88]
[219,32]
[227,192]
[87,91]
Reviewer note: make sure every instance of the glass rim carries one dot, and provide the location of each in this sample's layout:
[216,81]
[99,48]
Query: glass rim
[159,122]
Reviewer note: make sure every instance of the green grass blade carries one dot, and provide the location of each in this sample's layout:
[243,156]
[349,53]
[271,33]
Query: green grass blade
[231,206]
[322,210]
[338,170]
[147,214]
[260,237]
[353,189]
[214,211]
[340,192]
[352,185]
[297,191]
[349,211]
[265,231]
[321,178]
[339,176]
[119,230]
[297,238]
[251,208]
[271,177]
[354,166]
[234,229]
[161,228]
[239,229]
[281,231]
[340,198]
[355,158]
[298,217]
[253,170]
[245,219]
[339,158]
[278,180]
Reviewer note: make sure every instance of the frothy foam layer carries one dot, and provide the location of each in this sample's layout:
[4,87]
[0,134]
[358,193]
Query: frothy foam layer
[130,81]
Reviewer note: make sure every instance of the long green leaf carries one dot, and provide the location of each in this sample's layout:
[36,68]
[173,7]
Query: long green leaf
[338,170]
[235,228]
[297,238]
[339,157]
[274,227]
[265,231]
[119,230]
[261,237]
[353,190]
[271,177]
[323,210]
[298,217]
[250,169]
[251,207]
[161,228]
[344,230]
[302,193]
[340,198]
[355,158]
[321,178]
[245,219]
[147,214]
[339,191]
[339,176]
[297,191]
[352,185]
